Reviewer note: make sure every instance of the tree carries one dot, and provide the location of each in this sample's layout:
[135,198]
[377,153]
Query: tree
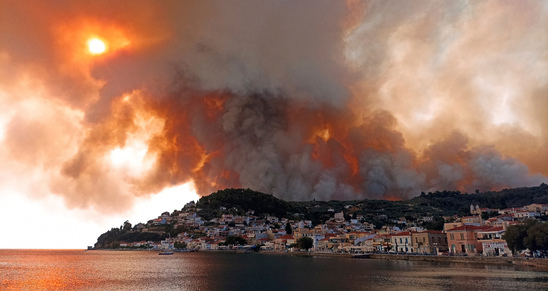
[288,228]
[305,243]
[180,245]
[436,225]
[235,240]
[537,237]
[515,235]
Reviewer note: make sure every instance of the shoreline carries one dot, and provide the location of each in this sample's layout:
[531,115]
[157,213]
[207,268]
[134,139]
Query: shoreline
[537,263]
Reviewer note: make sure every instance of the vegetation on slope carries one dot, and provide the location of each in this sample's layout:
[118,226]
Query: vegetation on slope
[378,212]
[240,201]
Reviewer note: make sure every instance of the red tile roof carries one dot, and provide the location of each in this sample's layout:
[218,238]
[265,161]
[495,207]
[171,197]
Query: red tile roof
[287,236]
[468,228]
[431,231]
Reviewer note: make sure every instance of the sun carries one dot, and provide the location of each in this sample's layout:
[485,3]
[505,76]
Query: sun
[96,46]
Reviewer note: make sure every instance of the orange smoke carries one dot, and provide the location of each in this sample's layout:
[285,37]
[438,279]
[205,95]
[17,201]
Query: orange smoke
[326,100]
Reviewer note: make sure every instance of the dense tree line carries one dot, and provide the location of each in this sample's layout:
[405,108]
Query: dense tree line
[530,235]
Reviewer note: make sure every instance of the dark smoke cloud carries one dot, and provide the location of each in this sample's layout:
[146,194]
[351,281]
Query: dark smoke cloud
[302,99]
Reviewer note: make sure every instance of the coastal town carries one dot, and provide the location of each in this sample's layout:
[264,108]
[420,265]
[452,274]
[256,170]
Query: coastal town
[470,235]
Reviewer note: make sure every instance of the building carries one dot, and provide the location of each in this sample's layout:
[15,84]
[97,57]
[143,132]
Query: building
[339,217]
[520,215]
[283,242]
[492,242]
[535,207]
[464,239]
[471,220]
[429,242]
[401,242]
[382,243]
[450,225]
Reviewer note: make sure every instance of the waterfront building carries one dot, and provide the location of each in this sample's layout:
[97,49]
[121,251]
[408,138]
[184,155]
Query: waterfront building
[464,239]
[492,242]
[429,242]
[283,242]
[382,242]
[401,242]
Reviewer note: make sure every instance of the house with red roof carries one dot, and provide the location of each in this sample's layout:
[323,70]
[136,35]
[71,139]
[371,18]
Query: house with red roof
[464,239]
[323,244]
[282,242]
[495,222]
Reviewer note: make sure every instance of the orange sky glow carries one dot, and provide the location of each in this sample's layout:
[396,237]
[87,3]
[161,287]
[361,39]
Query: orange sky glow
[115,111]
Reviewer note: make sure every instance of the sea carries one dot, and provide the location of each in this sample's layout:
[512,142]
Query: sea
[147,270]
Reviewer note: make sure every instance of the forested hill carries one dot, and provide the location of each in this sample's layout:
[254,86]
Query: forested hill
[454,201]
[244,202]
[433,203]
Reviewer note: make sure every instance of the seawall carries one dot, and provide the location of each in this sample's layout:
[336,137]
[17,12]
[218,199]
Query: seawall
[520,261]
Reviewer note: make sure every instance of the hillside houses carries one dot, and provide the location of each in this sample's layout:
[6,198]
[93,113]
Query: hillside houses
[480,233]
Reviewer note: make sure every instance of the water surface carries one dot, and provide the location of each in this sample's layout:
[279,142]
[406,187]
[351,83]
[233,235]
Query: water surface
[146,270]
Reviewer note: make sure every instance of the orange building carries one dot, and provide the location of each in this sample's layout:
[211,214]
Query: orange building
[464,239]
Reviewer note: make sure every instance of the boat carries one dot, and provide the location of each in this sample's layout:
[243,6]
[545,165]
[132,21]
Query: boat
[164,253]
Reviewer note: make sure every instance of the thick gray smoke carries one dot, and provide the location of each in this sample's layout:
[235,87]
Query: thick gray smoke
[302,99]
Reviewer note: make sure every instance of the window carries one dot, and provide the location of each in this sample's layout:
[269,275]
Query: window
[453,236]
[461,235]
[401,240]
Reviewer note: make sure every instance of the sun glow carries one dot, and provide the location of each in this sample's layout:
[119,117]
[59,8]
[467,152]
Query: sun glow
[96,46]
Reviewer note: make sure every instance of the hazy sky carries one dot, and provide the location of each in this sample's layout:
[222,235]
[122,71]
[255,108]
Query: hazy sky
[121,110]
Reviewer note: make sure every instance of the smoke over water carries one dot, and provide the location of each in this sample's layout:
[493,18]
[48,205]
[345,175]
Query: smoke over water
[302,99]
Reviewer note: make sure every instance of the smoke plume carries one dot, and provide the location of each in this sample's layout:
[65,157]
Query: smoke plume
[302,99]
